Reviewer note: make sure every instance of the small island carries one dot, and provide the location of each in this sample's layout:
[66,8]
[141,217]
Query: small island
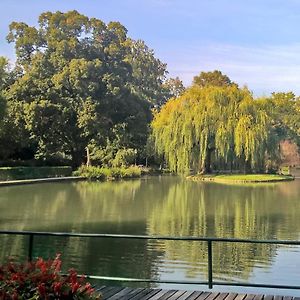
[242,178]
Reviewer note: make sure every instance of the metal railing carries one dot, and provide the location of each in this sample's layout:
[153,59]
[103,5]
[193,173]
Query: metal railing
[209,241]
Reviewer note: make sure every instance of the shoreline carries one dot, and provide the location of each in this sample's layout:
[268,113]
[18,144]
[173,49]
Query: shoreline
[41,180]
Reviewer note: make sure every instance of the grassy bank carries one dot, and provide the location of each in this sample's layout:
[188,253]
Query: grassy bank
[242,178]
[101,173]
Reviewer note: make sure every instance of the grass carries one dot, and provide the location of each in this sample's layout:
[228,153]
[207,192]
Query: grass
[242,178]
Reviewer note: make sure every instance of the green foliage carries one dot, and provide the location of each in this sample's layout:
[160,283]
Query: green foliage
[80,79]
[17,173]
[148,72]
[124,157]
[284,111]
[211,126]
[215,78]
[108,173]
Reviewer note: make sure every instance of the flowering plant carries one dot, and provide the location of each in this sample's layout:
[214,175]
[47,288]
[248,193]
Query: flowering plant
[41,279]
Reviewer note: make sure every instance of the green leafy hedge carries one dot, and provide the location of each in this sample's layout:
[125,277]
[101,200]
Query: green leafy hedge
[99,173]
[15,173]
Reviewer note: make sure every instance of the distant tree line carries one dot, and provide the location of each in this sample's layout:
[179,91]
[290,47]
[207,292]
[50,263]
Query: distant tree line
[79,84]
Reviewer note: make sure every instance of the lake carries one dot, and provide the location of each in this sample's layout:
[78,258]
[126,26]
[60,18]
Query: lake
[162,205]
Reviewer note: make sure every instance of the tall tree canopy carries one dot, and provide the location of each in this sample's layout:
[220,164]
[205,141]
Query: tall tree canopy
[79,79]
[214,78]
[211,126]
[284,111]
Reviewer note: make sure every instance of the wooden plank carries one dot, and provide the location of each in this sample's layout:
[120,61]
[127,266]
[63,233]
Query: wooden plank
[141,295]
[132,293]
[258,297]
[222,296]
[195,295]
[287,298]
[176,295]
[231,296]
[120,294]
[126,293]
[185,295]
[240,297]
[212,296]
[200,295]
[105,289]
[152,293]
[268,297]
[249,297]
[163,294]
[114,290]
[167,295]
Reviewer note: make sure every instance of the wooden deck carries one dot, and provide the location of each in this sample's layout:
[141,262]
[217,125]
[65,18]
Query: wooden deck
[114,293]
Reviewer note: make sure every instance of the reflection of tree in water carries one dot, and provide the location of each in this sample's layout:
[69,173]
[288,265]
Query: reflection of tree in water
[82,207]
[158,206]
[214,210]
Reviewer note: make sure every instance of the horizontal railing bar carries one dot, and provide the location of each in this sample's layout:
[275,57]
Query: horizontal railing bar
[143,280]
[151,237]
[242,284]
[260,285]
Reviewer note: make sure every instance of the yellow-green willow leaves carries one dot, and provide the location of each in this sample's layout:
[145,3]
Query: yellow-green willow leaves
[211,126]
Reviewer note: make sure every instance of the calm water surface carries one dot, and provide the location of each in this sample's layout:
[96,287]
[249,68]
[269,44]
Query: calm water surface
[164,205]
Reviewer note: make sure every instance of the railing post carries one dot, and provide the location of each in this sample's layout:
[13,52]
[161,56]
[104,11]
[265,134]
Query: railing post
[209,257]
[30,249]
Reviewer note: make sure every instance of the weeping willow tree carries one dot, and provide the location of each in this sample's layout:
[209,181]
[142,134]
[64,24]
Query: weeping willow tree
[221,127]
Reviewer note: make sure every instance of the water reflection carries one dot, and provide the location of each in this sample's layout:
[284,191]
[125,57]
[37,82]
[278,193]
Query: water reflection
[155,206]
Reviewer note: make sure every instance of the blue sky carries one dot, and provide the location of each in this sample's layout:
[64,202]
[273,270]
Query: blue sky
[254,42]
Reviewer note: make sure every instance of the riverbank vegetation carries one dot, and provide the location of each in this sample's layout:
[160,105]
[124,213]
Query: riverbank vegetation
[82,91]
[102,173]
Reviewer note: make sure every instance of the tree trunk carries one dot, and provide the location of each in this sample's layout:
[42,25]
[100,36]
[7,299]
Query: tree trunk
[206,169]
[88,157]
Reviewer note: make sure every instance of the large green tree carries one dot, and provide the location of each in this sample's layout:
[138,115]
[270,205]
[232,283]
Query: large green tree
[212,126]
[79,78]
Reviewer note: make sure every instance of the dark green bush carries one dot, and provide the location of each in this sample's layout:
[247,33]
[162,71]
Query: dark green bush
[16,173]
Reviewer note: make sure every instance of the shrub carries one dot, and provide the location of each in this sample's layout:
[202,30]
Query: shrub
[124,157]
[108,173]
[15,173]
[42,280]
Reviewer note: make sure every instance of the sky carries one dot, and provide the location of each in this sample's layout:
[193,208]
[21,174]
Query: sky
[255,42]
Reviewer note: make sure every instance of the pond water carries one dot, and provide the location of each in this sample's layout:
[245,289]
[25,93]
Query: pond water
[162,205]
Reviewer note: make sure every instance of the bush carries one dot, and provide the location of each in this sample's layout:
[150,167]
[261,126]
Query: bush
[42,280]
[15,173]
[108,173]
[124,157]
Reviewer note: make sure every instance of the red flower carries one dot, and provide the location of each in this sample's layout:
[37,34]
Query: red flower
[42,289]
[75,287]
[57,287]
